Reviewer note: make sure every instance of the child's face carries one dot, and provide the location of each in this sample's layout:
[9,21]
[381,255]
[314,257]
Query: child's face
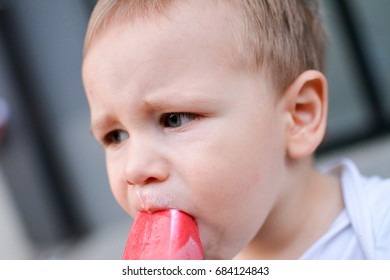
[183,129]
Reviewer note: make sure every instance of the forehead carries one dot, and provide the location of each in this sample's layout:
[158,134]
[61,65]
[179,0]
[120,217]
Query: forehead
[196,20]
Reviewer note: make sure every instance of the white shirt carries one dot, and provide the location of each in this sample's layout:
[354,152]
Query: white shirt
[362,229]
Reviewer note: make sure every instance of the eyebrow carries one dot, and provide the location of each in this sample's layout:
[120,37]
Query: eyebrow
[172,98]
[100,123]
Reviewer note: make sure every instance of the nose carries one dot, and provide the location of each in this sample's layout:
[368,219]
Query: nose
[145,164]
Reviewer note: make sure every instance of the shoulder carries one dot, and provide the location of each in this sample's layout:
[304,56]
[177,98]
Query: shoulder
[378,197]
[368,202]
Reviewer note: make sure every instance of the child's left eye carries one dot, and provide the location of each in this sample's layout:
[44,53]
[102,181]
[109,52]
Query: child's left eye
[173,120]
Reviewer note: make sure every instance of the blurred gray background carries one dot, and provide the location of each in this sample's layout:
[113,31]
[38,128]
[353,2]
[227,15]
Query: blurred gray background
[55,202]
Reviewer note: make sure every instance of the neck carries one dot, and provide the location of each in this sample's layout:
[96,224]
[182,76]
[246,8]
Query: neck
[309,204]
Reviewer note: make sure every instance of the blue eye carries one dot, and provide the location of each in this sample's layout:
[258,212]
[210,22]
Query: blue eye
[115,137]
[173,120]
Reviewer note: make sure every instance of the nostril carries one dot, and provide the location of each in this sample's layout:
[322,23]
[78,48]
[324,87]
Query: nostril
[129,183]
[143,182]
[150,180]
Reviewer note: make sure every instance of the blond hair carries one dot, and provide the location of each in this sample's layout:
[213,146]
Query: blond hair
[284,37]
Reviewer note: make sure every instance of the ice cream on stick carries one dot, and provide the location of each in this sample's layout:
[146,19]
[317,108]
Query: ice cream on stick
[163,235]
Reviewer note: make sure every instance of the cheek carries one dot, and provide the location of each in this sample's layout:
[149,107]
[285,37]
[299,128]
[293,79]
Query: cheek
[232,178]
[235,182]
[232,187]
[231,206]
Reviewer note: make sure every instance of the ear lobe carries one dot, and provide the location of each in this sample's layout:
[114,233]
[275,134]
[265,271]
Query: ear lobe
[306,106]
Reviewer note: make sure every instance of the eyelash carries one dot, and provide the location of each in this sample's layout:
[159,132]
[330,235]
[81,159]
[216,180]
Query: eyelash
[177,117]
[114,136]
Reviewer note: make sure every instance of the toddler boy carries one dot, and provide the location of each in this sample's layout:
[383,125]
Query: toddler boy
[215,107]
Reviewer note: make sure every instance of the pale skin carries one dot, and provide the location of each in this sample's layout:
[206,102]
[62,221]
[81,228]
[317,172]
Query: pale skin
[182,127]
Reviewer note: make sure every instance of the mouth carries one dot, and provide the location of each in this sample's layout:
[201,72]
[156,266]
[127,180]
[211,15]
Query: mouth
[153,202]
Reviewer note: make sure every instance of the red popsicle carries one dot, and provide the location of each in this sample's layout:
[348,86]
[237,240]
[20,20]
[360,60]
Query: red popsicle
[164,235]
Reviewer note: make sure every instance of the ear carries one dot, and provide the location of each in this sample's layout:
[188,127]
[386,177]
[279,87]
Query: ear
[306,105]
